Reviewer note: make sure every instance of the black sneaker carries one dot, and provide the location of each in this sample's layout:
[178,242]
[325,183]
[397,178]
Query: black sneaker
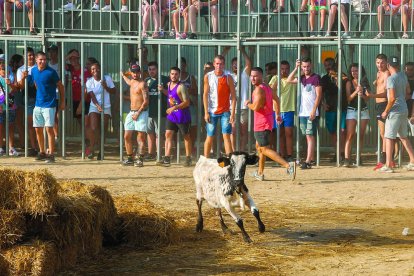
[150,157]
[347,163]
[128,162]
[165,161]
[140,161]
[187,161]
[50,158]
[215,36]
[41,156]
[313,163]
[305,166]
[91,156]
[32,152]
[192,36]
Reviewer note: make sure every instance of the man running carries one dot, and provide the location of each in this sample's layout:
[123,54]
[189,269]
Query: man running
[218,91]
[264,102]
[137,118]
[178,116]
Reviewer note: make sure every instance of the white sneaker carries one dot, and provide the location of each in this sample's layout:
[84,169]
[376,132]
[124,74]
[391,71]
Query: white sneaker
[2,152]
[386,169]
[69,6]
[410,167]
[95,7]
[106,8]
[346,35]
[405,36]
[124,8]
[379,36]
[13,152]
[257,176]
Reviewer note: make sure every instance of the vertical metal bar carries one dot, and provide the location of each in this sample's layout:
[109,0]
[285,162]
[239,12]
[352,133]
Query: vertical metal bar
[121,103]
[218,134]
[140,27]
[63,113]
[338,16]
[297,110]
[82,61]
[338,108]
[200,99]
[178,133]
[26,99]
[358,151]
[238,98]
[400,152]
[318,132]
[160,95]
[103,103]
[42,17]
[6,96]
[379,140]
[279,89]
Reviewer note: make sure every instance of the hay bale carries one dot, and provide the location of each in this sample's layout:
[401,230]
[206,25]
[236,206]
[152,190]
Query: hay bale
[32,192]
[144,224]
[12,227]
[34,258]
[4,266]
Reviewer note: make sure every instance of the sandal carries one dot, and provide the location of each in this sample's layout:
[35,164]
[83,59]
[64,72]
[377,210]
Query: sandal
[279,9]
[155,35]
[33,32]
[7,32]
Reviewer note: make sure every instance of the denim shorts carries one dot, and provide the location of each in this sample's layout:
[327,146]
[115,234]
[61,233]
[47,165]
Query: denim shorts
[12,116]
[44,116]
[224,121]
[303,123]
[331,121]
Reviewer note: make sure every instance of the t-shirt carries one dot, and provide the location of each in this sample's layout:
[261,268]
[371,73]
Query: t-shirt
[12,105]
[398,82]
[153,96]
[410,101]
[342,1]
[330,93]
[308,94]
[95,86]
[77,81]
[287,94]
[244,87]
[30,83]
[46,83]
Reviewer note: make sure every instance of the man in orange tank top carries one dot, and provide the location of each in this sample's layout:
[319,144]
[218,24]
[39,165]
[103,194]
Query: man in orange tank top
[265,102]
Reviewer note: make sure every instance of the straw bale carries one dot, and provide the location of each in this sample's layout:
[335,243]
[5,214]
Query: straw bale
[34,258]
[4,266]
[33,192]
[144,224]
[12,227]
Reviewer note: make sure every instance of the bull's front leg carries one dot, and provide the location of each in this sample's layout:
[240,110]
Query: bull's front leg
[238,220]
[248,200]
[199,226]
[223,225]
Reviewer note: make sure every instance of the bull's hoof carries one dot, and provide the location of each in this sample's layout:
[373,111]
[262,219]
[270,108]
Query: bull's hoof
[199,227]
[262,227]
[247,239]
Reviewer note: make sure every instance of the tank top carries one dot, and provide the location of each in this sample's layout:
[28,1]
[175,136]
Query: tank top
[263,118]
[219,96]
[354,101]
[187,83]
[179,116]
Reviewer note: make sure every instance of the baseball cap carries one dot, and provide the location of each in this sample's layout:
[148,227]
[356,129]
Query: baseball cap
[2,57]
[394,61]
[134,67]
[53,47]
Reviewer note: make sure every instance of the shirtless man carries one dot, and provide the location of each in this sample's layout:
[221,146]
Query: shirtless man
[137,118]
[381,100]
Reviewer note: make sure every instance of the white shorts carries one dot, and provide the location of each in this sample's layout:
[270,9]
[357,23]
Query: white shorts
[94,109]
[44,116]
[352,114]
[393,6]
[140,124]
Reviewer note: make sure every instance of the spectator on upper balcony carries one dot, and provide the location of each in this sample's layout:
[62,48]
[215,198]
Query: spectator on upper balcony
[393,8]
[174,9]
[19,5]
[279,7]
[204,7]
[249,4]
[315,6]
[333,10]
[95,6]
[150,8]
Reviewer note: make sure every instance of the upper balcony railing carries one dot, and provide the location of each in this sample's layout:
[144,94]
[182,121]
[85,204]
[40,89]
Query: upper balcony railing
[212,19]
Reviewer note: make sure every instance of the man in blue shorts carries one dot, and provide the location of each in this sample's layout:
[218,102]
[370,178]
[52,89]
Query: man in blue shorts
[46,80]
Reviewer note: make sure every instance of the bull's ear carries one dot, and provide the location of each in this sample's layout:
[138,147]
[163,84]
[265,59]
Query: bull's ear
[223,161]
[252,159]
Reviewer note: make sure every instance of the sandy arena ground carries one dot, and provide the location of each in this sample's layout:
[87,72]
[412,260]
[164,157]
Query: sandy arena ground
[330,221]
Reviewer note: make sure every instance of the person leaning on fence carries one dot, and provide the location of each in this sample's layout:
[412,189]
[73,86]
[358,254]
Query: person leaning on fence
[311,96]
[333,10]
[203,7]
[354,90]
[137,118]
[178,116]
[329,83]
[393,8]
[46,80]
[12,110]
[396,114]
[287,109]
[218,92]
[18,5]
[96,86]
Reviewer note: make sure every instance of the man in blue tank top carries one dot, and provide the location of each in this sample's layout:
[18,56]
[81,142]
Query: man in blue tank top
[178,116]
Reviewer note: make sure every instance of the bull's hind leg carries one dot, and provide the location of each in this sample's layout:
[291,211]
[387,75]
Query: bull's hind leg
[222,224]
[238,220]
[248,200]
[199,226]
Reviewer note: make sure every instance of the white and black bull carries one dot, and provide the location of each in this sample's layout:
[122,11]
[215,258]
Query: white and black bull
[221,182]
